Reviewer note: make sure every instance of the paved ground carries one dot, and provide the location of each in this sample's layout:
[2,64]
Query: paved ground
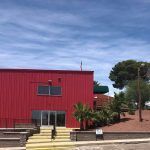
[141,146]
[13,148]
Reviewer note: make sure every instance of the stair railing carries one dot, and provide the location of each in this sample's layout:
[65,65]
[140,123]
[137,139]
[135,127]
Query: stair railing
[53,131]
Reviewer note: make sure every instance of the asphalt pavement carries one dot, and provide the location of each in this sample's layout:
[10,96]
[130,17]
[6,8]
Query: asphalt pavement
[140,146]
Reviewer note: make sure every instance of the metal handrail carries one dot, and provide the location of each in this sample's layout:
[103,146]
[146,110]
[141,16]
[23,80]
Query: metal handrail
[53,131]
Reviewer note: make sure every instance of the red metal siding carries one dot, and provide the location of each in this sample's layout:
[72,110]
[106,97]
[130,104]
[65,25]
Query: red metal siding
[18,92]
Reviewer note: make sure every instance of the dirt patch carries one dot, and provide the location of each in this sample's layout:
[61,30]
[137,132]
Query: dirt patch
[131,123]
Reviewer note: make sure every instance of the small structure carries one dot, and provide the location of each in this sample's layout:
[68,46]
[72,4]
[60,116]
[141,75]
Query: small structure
[147,105]
[100,99]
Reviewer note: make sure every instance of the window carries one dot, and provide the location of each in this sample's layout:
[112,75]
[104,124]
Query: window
[55,90]
[36,117]
[43,90]
[49,90]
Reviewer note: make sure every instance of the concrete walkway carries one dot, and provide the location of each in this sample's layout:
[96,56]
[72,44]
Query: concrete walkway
[13,148]
[125,141]
[140,146]
[90,143]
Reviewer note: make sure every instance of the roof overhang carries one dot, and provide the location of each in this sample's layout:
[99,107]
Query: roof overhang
[101,89]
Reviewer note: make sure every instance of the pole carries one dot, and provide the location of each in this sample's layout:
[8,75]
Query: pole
[81,66]
[139,96]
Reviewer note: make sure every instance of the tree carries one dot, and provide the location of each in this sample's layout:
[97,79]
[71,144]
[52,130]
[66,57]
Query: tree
[96,83]
[104,116]
[126,71]
[111,112]
[131,92]
[82,113]
[118,104]
[88,116]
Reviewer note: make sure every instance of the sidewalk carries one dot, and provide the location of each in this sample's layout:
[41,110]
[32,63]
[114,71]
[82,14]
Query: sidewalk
[13,148]
[88,143]
[125,141]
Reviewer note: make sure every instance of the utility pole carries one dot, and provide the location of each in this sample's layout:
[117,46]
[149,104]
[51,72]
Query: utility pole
[81,66]
[139,96]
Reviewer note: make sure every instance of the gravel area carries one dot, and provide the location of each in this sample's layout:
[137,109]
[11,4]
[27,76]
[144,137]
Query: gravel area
[131,123]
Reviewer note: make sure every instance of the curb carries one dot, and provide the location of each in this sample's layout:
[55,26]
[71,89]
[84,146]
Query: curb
[125,141]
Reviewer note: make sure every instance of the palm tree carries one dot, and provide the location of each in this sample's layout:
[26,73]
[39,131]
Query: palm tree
[88,116]
[82,113]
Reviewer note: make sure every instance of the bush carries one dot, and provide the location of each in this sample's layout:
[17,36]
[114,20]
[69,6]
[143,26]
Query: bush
[131,112]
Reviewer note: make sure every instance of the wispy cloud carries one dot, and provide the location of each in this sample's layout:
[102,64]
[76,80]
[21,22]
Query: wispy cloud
[59,34]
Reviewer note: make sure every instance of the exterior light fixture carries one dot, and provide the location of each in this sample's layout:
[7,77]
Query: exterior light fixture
[49,82]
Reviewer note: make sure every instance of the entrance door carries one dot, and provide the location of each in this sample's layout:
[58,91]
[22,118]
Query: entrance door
[52,116]
[44,117]
[60,118]
[57,118]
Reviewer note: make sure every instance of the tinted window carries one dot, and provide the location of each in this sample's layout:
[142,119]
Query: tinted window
[55,90]
[36,117]
[36,114]
[43,90]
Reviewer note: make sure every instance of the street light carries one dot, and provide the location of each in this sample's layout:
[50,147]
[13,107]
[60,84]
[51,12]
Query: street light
[139,93]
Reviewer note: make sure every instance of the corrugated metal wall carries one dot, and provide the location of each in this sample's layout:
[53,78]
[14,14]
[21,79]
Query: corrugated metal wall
[18,92]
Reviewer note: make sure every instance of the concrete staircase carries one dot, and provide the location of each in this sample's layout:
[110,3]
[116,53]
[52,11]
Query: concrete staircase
[43,141]
[62,134]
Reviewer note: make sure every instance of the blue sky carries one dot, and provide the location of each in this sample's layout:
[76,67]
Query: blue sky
[58,34]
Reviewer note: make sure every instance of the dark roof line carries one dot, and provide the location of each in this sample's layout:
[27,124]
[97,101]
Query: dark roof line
[43,70]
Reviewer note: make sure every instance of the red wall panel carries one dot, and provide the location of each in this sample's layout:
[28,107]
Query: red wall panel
[18,92]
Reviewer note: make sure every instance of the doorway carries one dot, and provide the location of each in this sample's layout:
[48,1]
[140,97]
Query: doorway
[49,118]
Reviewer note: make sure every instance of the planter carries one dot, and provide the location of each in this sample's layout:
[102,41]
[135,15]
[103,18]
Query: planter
[91,135]
[85,136]
[126,135]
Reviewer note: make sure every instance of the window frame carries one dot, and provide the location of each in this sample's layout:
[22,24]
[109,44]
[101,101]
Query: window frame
[49,93]
[60,91]
[43,94]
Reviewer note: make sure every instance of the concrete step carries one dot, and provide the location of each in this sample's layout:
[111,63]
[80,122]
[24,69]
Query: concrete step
[63,130]
[40,137]
[50,145]
[52,148]
[46,127]
[43,141]
[62,140]
[62,137]
[63,134]
[43,134]
[46,130]
[30,141]
[50,128]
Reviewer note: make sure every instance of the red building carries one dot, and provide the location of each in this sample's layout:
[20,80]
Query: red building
[43,96]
